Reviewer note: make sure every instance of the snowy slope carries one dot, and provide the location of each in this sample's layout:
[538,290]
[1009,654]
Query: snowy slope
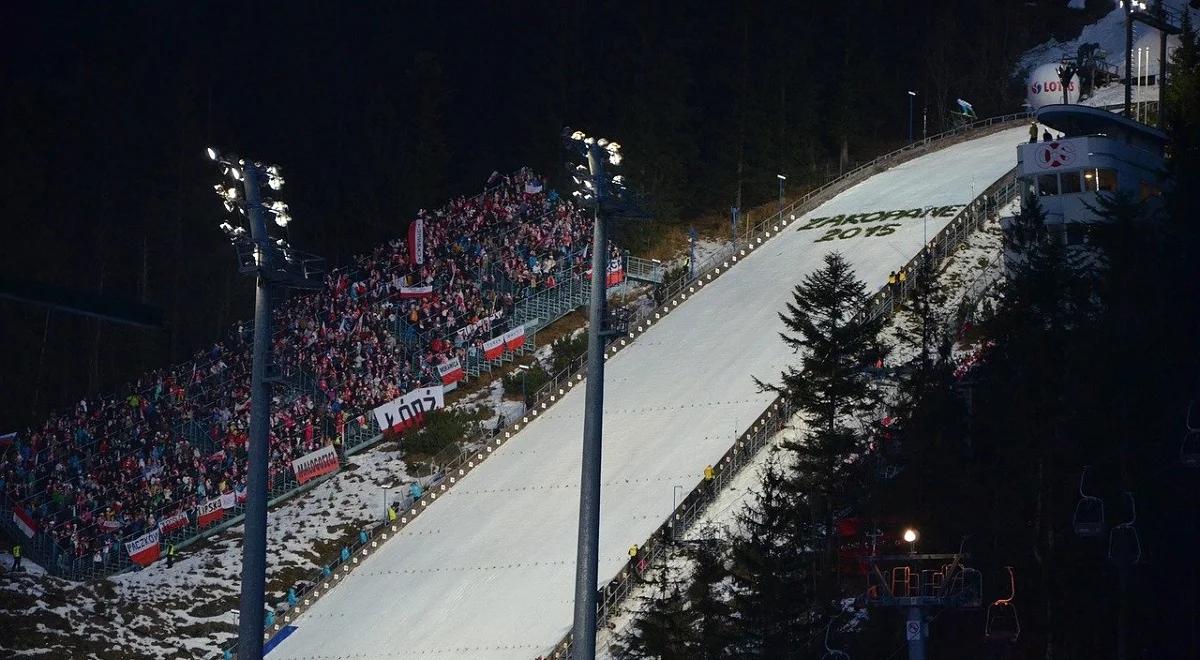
[1109,32]
[488,571]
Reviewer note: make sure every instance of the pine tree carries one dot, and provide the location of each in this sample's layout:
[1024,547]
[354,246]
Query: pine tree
[664,629]
[772,564]
[826,323]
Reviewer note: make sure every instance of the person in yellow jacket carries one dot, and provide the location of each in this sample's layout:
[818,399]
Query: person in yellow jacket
[391,514]
[170,555]
[709,473]
[17,557]
[633,550]
[903,276]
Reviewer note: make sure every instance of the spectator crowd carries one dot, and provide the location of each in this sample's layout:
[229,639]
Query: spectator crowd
[112,467]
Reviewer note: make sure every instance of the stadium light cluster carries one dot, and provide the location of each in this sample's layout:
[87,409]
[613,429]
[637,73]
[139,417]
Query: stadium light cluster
[594,185]
[233,199]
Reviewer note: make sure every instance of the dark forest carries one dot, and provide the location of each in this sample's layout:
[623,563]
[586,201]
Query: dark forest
[375,110]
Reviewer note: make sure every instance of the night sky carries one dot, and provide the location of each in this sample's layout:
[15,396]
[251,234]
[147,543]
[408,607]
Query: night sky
[377,109]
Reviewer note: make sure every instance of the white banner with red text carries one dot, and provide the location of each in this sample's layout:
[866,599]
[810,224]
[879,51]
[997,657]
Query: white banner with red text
[409,410]
[451,372]
[315,464]
[173,523]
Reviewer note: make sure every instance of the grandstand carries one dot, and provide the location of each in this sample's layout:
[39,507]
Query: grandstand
[488,570]
[168,449]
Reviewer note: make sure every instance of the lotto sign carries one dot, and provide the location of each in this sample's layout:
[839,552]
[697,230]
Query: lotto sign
[144,549]
[314,464]
[408,410]
[1055,154]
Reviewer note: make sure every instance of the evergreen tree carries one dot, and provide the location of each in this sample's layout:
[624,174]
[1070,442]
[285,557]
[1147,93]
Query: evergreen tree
[773,562]
[825,321]
[664,630]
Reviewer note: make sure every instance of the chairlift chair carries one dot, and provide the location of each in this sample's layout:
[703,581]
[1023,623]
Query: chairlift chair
[1089,512]
[832,653]
[1189,449]
[1124,546]
[1003,625]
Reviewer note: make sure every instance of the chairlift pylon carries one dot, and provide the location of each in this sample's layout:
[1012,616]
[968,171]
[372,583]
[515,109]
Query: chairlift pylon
[1124,546]
[1089,512]
[1003,625]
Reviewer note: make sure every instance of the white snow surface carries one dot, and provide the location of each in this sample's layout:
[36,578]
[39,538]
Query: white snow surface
[488,571]
[1109,32]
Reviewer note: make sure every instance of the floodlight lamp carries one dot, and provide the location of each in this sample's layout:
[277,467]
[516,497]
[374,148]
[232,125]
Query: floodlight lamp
[910,535]
[614,158]
[273,170]
[619,180]
[781,177]
[589,140]
[578,135]
[911,93]
[212,153]
[282,219]
[275,182]
[277,206]
[235,173]
[229,206]
[601,142]
[588,184]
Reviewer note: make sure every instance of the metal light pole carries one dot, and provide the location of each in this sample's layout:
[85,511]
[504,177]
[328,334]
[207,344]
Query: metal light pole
[602,192]
[782,179]
[911,95]
[254,540]
[1127,4]
[274,264]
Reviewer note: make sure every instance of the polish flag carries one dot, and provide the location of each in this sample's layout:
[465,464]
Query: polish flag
[144,549]
[210,512]
[24,521]
[451,371]
[515,338]
[172,523]
[616,272]
[493,348]
[409,292]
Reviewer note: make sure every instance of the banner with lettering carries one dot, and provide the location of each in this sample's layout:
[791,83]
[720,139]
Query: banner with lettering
[416,242]
[173,523]
[210,512]
[409,410]
[451,372]
[144,549]
[315,464]
[515,338]
[493,348]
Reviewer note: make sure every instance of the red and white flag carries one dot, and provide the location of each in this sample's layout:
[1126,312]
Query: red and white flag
[314,464]
[24,521]
[144,549]
[616,272]
[451,371]
[409,292]
[515,338]
[172,523]
[493,348]
[416,242]
[240,493]
[210,512]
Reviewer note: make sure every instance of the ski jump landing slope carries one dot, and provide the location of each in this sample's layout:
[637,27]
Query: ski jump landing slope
[488,571]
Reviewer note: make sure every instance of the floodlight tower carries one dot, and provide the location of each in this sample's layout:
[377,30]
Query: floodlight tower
[606,195]
[275,265]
